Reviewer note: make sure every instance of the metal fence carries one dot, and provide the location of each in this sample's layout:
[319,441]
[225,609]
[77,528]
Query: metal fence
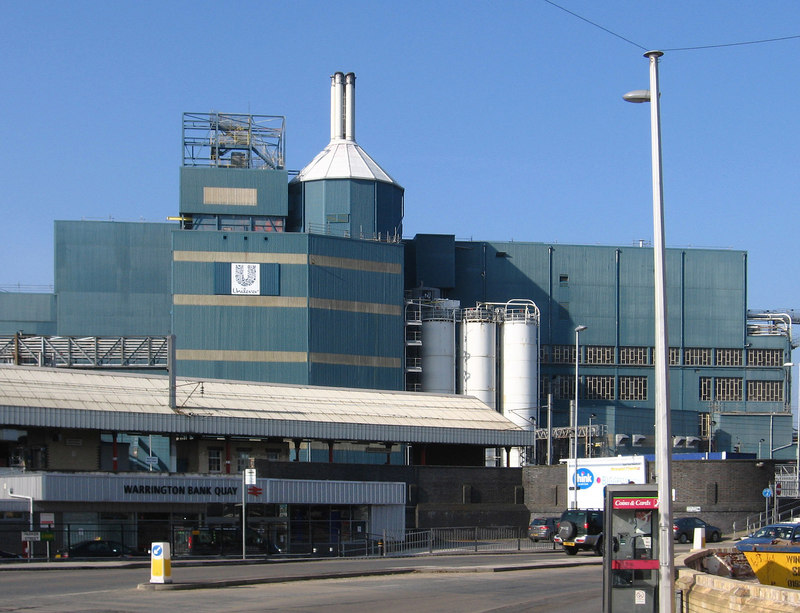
[415,542]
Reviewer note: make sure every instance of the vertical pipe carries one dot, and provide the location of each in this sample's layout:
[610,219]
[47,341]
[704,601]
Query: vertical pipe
[337,128]
[173,403]
[350,107]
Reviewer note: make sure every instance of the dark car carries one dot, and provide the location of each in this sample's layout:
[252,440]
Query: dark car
[98,548]
[683,529]
[580,530]
[767,534]
[542,528]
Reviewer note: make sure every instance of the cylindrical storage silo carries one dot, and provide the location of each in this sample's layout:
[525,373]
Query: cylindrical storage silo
[479,355]
[439,352]
[519,363]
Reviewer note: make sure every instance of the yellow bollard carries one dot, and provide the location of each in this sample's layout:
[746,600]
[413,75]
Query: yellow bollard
[160,563]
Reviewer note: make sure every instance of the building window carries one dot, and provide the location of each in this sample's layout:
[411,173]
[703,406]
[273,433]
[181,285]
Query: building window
[544,354]
[563,280]
[634,356]
[728,389]
[765,357]
[596,354]
[728,357]
[243,458]
[674,356]
[563,354]
[564,387]
[705,389]
[544,387]
[765,391]
[697,356]
[633,388]
[599,387]
[214,460]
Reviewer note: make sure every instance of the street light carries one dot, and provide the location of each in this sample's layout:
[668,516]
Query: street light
[761,440]
[578,331]
[666,547]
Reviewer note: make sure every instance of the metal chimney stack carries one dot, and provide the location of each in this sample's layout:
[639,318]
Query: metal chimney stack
[343,112]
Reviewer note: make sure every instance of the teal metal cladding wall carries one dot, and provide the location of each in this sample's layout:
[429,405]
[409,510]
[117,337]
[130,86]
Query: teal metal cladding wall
[356,316]
[337,319]
[112,278]
[270,185]
[27,313]
[365,208]
[600,286]
[254,338]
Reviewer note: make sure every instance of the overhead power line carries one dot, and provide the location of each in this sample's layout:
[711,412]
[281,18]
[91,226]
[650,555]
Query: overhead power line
[694,48]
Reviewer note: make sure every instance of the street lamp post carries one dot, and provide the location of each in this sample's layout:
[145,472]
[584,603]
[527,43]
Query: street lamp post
[761,440]
[578,331]
[661,363]
[590,436]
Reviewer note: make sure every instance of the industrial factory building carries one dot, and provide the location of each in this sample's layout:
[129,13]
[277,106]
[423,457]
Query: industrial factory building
[305,280]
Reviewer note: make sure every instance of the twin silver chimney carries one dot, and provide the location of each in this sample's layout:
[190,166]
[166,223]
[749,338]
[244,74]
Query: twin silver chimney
[343,107]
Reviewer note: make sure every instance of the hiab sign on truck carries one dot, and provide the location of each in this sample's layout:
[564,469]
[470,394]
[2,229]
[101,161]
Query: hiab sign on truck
[587,484]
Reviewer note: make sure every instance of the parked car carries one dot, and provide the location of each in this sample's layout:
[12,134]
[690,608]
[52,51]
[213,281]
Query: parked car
[767,534]
[579,530]
[542,528]
[98,548]
[683,529]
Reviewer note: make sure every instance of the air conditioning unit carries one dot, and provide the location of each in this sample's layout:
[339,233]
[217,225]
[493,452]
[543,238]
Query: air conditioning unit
[691,441]
[638,439]
[622,439]
[678,441]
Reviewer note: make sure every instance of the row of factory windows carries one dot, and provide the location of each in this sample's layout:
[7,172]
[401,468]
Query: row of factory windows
[609,387]
[641,356]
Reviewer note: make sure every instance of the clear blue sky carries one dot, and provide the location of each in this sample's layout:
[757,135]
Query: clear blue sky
[502,120]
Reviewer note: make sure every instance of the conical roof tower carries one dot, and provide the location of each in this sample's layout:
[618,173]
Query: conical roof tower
[343,191]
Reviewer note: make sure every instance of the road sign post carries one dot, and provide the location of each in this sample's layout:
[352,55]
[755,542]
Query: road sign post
[248,479]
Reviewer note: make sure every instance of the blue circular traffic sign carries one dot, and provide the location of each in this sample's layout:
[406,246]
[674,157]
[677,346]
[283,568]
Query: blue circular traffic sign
[766,492]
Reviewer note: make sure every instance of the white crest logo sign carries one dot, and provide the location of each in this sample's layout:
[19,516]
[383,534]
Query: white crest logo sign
[245,279]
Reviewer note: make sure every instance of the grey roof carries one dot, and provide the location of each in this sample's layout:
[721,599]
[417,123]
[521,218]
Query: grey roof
[45,397]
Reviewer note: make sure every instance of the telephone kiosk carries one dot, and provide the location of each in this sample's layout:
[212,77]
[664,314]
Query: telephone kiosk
[631,566]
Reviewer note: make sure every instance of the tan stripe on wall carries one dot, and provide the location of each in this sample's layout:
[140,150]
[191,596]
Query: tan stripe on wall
[224,300]
[202,355]
[374,308]
[352,264]
[244,257]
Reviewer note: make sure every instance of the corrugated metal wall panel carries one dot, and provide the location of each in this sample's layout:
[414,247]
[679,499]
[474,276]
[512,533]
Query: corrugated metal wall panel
[388,521]
[112,278]
[271,186]
[28,313]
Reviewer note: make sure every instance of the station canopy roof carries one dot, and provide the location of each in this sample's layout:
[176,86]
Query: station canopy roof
[131,402]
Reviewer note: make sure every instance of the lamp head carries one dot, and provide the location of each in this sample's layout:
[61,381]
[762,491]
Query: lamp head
[637,95]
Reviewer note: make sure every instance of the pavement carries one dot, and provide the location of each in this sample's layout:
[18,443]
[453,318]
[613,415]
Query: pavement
[277,570]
